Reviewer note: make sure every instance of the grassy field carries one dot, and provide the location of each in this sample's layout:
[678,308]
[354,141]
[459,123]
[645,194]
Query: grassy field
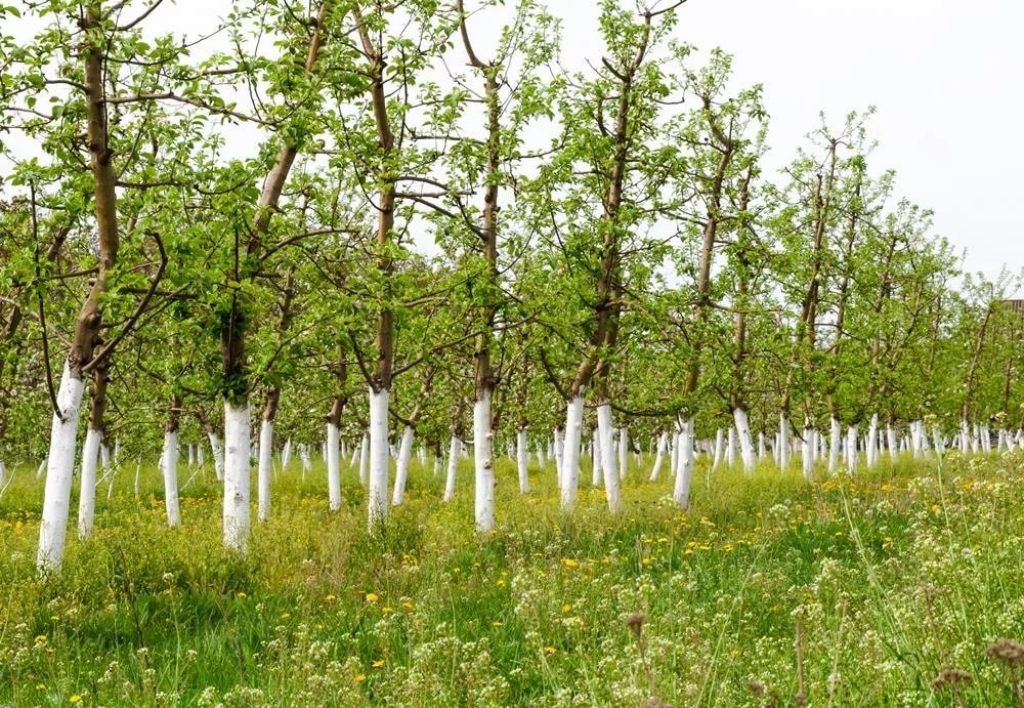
[889,589]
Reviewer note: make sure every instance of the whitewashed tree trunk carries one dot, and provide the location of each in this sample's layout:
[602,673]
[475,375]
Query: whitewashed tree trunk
[364,460]
[87,484]
[286,454]
[521,461]
[402,466]
[684,475]
[59,470]
[659,458]
[851,444]
[611,475]
[333,468]
[893,446]
[730,448]
[783,442]
[674,454]
[571,452]
[762,448]
[263,471]
[169,464]
[559,451]
[719,449]
[808,451]
[483,463]
[739,417]
[453,466]
[218,455]
[596,457]
[835,435]
[377,496]
[623,452]
[871,449]
[236,475]
[965,437]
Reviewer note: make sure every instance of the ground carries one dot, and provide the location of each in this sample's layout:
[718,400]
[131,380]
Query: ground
[889,588]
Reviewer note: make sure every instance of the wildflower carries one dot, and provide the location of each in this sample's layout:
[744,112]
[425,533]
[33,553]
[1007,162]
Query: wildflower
[550,650]
[566,608]
[500,583]
[1007,651]
[497,624]
[241,595]
[407,605]
[286,615]
[570,563]
[359,678]
[377,663]
[41,639]
[372,597]
[74,698]
[40,686]
[329,598]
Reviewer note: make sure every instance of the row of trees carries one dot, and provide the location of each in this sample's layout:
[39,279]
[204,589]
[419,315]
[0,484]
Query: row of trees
[388,218]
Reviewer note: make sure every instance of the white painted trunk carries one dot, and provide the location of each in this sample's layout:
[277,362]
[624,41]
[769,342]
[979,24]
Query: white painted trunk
[364,460]
[871,449]
[851,443]
[684,474]
[169,465]
[674,454]
[783,442]
[59,470]
[623,452]
[808,452]
[402,466]
[559,451]
[483,463]
[739,416]
[719,449]
[521,461]
[263,472]
[965,437]
[762,451]
[659,458]
[571,452]
[218,455]
[236,475]
[730,449]
[890,435]
[333,468]
[611,475]
[596,457]
[87,484]
[835,434]
[377,496]
[286,454]
[453,466]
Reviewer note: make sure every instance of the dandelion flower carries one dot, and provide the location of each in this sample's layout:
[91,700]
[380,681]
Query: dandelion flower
[241,595]
[74,698]
[549,650]
[359,678]
[372,597]
[570,563]
[329,598]
[566,608]
[377,663]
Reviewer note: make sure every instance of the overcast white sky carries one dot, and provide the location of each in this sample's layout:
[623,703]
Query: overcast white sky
[944,75]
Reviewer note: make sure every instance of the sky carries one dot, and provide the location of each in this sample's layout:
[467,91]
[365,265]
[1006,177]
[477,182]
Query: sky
[943,75]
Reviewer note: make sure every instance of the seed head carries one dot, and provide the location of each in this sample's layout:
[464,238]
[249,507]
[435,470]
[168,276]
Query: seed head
[952,678]
[635,622]
[1006,651]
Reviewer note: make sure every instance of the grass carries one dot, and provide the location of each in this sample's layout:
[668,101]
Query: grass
[888,579]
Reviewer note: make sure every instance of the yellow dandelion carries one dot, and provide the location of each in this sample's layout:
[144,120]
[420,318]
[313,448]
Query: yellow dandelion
[74,698]
[377,663]
[241,595]
[41,639]
[407,605]
[40,686]
[329,598]
[497,624]
[570,563]
[550,650]
[359,678]
[566,608]
[500,583]
[372,597]
[286,615]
